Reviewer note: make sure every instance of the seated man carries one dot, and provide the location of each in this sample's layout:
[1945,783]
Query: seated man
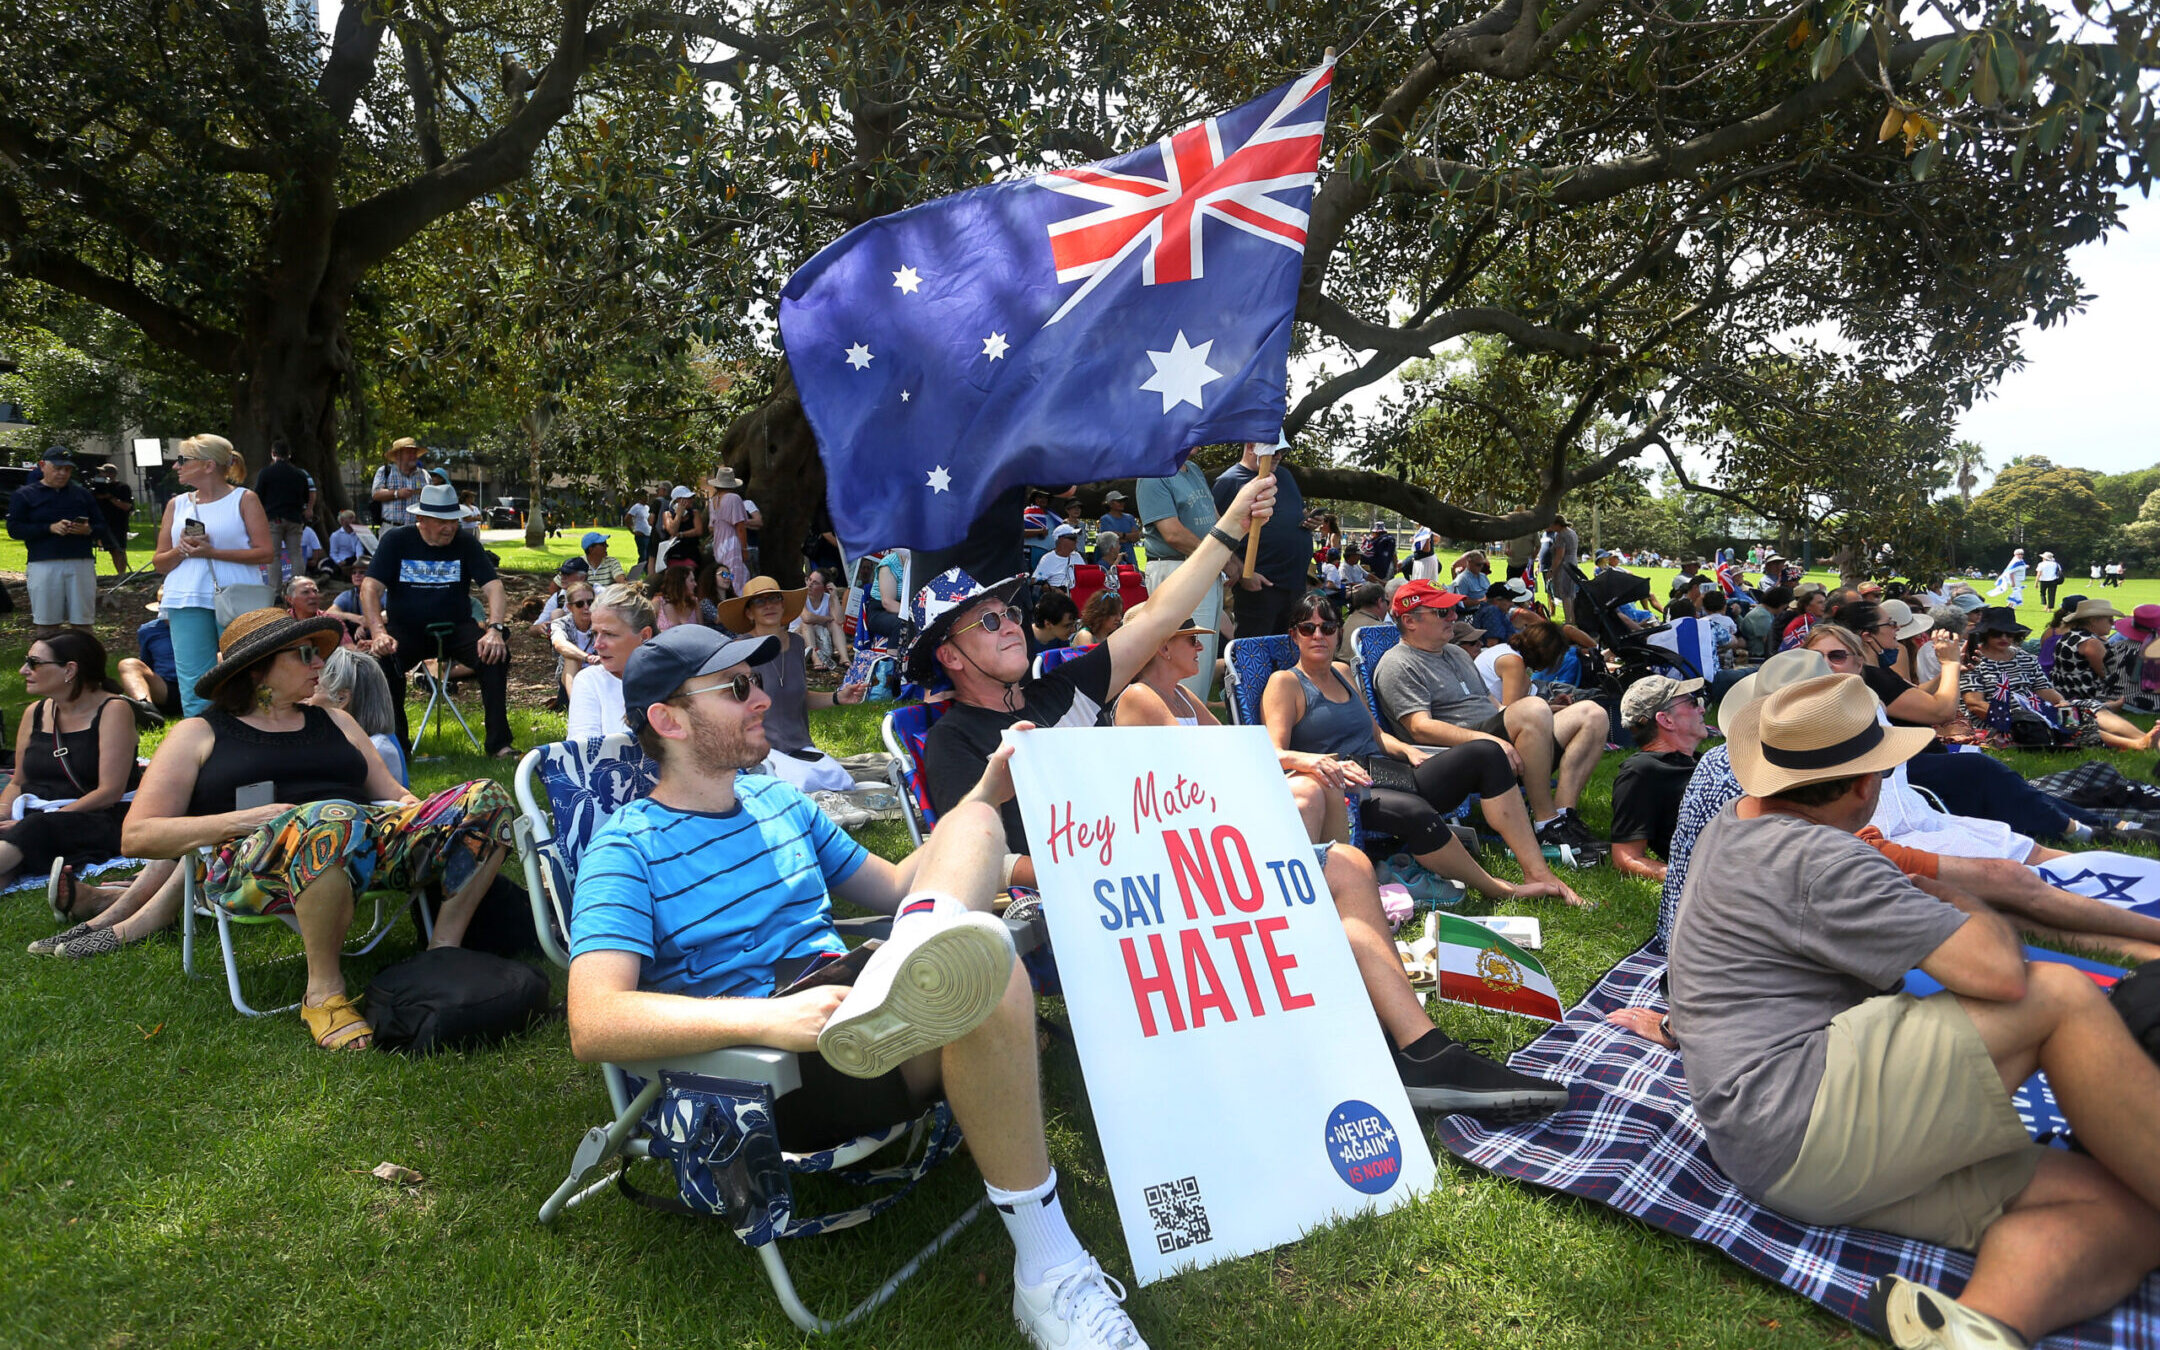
[1665,716]
[1432,691]
[152,677]
[699,905]
[423,574]
[601,570]
[971,637]
[1828,1095]
[1055,569]
[1057,618]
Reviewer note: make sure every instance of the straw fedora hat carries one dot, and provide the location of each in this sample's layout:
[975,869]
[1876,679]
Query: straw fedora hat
[261,633]
[1815,730]
[1783,668]
[2093,609]
[735,611]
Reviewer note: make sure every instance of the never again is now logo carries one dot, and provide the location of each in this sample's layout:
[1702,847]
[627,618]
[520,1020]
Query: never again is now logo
[1364,1148]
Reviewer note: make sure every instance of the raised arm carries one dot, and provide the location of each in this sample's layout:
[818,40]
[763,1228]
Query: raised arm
[1181,592]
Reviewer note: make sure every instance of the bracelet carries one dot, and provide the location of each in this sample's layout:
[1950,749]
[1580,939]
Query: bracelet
[1215,532]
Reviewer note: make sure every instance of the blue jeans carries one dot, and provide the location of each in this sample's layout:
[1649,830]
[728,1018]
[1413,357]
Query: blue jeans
[1973,784]
[194,645]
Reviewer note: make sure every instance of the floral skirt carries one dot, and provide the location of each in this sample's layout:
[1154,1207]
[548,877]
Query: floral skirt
[444,838]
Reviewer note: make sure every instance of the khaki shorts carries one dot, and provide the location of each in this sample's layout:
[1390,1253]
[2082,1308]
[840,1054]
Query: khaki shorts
[1912,1131]
[62,591]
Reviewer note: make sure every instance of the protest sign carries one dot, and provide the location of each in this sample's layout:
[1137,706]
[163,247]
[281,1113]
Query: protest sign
[1242,1087]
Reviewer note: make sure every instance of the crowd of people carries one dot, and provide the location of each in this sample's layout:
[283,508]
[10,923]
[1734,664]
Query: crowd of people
[1847,831]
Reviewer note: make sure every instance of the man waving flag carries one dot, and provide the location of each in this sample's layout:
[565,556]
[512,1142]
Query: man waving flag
[1083,324]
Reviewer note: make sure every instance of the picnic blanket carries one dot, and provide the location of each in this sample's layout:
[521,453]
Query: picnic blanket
[1629,1139]
[83,872]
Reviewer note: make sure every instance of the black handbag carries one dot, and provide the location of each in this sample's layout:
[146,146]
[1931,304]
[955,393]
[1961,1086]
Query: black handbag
[2136,997]
[450,998]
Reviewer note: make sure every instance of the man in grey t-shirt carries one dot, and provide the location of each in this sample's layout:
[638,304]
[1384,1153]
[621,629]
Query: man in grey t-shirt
[1829,1095]
[1175,514]
[1433,693]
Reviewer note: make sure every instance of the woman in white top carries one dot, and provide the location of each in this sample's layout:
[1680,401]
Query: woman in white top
[622,621]
[571,635]
[213,535]
[1507,668]
[823,626]
[1156,697]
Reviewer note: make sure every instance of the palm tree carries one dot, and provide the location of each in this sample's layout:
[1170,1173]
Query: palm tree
[1965,461]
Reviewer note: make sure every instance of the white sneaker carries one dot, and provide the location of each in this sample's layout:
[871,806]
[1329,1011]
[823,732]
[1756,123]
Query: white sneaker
[937,978]
[1914,1317]
[1076,1305]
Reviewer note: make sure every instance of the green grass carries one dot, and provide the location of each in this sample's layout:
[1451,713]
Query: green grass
[174,1175]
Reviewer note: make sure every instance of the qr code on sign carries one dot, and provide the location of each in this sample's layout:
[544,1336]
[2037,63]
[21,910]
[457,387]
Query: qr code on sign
[1179,1217]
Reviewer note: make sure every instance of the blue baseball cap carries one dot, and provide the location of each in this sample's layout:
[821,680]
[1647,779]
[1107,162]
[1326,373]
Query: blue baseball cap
[592,537]
[59,454]
[662,665]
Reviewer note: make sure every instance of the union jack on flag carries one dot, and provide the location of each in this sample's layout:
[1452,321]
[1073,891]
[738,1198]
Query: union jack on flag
[1081,324]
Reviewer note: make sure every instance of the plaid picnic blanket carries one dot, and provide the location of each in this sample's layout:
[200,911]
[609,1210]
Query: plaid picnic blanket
[1629,1139]
[2096,781]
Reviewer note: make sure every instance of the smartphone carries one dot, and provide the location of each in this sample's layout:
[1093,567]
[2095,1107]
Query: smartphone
[248,796]
[840,970]
[195,529]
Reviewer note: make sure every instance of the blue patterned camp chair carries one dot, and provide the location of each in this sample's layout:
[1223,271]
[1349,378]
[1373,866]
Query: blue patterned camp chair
[1248,662]
[1050,658]
[1372,642]
[905,731]
[710,1115]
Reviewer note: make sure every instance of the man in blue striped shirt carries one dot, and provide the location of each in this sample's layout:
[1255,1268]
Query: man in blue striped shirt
[700,905]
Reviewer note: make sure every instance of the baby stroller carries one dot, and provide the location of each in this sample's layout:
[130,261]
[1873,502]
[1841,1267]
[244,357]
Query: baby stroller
[1632,654]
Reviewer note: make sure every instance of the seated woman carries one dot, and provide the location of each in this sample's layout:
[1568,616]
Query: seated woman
[823,624]
[319,841]
[571,636]
[1536,646]
[1812,609]
[1325,734]
[1103,614]
[884,606]
[74,759]
[1156,697]
[764,610]
[304,598]
[1994,663]
[678,601]
[2094,663]
[352,683]
[622,621]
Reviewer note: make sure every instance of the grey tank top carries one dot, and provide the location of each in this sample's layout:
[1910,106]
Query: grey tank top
[1330,728]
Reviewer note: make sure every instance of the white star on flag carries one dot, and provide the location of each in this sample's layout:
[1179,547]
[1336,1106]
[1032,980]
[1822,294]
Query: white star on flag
[940,480]
[994,346]
[905,395]
[908,280]
[859,356]
[1181,372]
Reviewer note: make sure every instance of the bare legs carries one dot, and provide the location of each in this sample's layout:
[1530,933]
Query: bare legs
[1511,821]
[1325,811]
[457,910]
[1574,737]
[2120,733]
[1357,901]
[1530,726]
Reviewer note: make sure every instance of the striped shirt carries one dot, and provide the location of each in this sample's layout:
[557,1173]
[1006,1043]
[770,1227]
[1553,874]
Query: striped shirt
[713,902]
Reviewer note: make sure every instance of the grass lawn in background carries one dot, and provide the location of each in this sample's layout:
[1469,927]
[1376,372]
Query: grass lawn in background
[179,1176]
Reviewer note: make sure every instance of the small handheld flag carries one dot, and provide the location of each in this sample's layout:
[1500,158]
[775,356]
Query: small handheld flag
[1479,967]
[1087,323]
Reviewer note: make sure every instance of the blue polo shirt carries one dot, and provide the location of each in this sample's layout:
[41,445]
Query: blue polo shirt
[713,902]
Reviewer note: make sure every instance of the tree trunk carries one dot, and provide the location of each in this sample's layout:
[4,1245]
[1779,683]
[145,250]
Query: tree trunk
[295,376]
[772,450]
[535,423]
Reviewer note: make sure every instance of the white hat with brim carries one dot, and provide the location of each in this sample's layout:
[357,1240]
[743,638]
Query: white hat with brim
[1812,732]
[1909,624]
[1783,668]
[439,501]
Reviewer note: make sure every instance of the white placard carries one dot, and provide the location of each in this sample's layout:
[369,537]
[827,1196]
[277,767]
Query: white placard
[1241,1085]
[149,452]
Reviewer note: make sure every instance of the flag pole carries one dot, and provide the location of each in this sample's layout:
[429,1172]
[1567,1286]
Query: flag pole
[1252,533]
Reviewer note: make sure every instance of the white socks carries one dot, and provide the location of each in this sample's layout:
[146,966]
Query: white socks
[1042,1240]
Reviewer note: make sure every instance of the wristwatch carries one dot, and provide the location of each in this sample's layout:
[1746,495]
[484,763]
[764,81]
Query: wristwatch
[499,627]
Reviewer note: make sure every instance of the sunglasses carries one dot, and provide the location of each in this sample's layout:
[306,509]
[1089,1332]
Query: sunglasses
[581,604]
[35,661]
[740,687]
[992,620]
[1315,628]
[1837,654]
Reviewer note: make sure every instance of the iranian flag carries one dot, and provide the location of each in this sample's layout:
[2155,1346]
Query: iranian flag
[1479,967]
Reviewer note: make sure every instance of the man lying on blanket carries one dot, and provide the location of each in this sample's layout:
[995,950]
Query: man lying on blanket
[698,904]
[1832,1099]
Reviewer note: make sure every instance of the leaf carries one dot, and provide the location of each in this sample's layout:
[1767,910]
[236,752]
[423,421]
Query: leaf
[1924,163]
[1800,36]
[1893,122]
[1931,60]
[1984,86]
[1827,55]
[396,1175]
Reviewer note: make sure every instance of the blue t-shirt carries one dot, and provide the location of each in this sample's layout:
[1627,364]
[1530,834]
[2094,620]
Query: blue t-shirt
[154,641]
[713,902]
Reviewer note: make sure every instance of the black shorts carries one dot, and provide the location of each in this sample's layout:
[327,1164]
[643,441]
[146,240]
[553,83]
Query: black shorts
[1495,725]
[830,1108]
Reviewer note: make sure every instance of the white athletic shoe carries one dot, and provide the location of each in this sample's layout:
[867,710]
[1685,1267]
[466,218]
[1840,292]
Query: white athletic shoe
[937,978]
[1075,1306]
[1915,1317]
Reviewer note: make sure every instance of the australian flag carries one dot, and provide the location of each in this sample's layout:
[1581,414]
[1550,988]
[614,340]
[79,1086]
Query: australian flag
[1084,324]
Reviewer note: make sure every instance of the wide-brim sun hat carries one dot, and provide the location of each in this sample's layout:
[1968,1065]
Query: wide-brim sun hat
[1909,624]
[1814,731]
[735,611]
[2142,625]
[1783,668]
[938,606]
[2093,609]
[1999,619]
[261,633]
[439,501]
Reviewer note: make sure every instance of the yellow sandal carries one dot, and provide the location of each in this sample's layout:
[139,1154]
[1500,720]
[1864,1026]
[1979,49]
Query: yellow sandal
[332,1016]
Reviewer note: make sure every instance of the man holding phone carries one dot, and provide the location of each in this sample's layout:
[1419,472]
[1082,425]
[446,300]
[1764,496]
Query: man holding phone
[52,516]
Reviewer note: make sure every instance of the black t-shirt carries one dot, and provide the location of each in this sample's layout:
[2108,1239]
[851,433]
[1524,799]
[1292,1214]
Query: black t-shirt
[961,743]
[1646,798]
[1886,684]
[1285,543]
[423,584]
[283,489]
[115,498]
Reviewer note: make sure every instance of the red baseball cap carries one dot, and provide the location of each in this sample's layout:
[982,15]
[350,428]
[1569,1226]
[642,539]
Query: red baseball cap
[1422,594]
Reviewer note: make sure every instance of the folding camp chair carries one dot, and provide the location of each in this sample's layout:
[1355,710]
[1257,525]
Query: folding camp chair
[583,783]
[905,732]
[193,906]
[439,693]
[1050,658]
[1248,662]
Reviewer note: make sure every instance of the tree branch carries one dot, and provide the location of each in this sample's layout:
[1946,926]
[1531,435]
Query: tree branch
[205,344]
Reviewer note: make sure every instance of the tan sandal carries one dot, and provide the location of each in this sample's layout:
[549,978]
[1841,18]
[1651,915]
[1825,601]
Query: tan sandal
[332,1016]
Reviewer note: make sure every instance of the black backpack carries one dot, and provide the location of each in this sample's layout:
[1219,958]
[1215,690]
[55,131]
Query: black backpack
[451,998]
[2137,997]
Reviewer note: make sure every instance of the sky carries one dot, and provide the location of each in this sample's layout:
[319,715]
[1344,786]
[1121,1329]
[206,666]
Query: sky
[2086,394]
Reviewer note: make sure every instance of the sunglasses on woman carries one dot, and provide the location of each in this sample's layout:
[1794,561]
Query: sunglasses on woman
[1315,628]
[740,687]
[992,620]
